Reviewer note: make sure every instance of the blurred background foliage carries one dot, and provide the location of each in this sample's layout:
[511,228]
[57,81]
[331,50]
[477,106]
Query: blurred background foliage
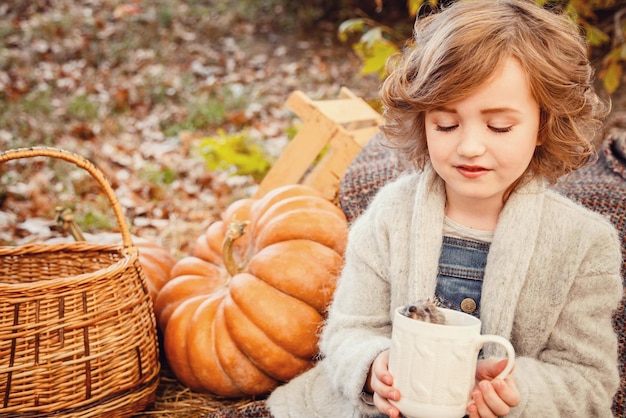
[378,28]
[603,23]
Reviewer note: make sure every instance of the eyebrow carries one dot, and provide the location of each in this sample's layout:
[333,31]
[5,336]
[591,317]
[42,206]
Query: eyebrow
[482,111]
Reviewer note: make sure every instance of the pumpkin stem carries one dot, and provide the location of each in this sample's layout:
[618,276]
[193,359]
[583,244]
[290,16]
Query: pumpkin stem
[234,231]
[65,220]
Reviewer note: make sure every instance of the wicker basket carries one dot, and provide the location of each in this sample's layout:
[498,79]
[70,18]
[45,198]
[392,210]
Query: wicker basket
[77,331]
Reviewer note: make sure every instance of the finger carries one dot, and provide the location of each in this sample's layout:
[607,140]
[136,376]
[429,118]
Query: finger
[380,376]
[385,407]
[493,368]
[381,368]
[382,385]
[388,392]
[479,401]
[507,390]
[381,382]
[492,399]
[500,366]
[472,411]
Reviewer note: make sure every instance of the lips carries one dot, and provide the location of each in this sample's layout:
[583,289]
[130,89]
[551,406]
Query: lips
[471,171]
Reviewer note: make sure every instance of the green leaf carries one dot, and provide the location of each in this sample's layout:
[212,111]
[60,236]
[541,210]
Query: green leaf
[374,56]
[349,27]
[372,36]
[235,152]
[595,36]
[616,54]
[157,176]
[414,6]
[572,12]
[612,77]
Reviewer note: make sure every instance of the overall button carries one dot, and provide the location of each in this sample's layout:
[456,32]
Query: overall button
[468,305]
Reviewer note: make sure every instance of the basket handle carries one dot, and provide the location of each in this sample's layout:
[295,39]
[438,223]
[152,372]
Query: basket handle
[84,164]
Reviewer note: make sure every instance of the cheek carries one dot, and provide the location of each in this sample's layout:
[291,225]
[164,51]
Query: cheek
[436,152]
[519,157]
[437,143]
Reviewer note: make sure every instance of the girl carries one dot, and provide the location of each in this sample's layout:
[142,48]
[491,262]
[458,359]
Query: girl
[492,104]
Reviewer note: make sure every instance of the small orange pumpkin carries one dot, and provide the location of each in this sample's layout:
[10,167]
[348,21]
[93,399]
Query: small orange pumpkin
[156,262]
[242,314]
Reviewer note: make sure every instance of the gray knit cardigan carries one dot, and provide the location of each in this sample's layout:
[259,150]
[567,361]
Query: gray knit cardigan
[551,285]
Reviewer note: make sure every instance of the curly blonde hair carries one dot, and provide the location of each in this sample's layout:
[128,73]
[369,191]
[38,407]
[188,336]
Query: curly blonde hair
[454,51]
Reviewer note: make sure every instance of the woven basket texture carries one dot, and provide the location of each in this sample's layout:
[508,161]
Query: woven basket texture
[77,332]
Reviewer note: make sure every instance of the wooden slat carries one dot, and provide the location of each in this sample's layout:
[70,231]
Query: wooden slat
[346,93]
[362,136]
[300,104]
[298,156]
[347,111]
[344,124]
[340,111]
[327,174]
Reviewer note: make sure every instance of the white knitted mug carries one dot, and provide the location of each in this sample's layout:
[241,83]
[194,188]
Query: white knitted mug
[434,365]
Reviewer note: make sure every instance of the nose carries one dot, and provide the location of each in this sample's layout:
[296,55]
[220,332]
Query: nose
[470,143]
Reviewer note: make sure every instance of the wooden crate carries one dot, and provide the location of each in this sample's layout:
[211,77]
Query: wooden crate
[338,128]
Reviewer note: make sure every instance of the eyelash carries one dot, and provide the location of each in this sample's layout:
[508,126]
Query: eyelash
[500,130]
[446,128]
[494,129]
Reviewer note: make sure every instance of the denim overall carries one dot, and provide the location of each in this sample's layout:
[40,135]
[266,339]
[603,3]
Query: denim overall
[461,268]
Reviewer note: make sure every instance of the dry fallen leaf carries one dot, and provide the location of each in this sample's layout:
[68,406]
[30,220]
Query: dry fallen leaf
[133,86]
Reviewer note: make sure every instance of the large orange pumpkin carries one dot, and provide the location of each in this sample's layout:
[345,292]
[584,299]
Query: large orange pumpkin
[243,313]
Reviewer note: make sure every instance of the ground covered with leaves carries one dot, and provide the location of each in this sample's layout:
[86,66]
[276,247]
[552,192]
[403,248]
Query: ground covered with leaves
[157,94]
[154,93]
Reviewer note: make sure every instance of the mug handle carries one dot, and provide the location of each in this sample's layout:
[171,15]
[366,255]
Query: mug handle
[510,352]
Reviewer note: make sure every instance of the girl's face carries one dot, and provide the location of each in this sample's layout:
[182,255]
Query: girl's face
[481,144]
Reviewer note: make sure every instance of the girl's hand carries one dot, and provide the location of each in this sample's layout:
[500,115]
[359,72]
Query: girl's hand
[379,383]
[492,397]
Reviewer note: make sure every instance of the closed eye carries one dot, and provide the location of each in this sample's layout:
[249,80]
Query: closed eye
[501,130]
[446,128]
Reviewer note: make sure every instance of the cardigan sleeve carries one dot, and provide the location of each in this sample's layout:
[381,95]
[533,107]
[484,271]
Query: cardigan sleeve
[576,374]
[359,323]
